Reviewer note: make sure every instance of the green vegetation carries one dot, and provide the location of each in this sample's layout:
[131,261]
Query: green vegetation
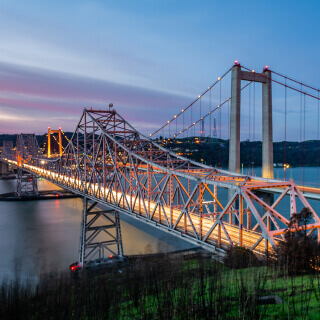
[183,286]
[170,287]
[213,151]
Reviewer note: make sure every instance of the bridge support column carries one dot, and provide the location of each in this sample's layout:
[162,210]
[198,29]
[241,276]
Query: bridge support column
[234,143]
[4,168]
[267,137]
[27,184]
[100,233]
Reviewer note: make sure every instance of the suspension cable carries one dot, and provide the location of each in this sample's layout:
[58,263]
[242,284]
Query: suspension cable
[67,139]
[290,87]
[213,110]
[296,81]
[57,141]
[193,102]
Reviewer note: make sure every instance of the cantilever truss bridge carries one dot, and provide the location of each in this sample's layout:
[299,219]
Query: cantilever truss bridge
[110,162]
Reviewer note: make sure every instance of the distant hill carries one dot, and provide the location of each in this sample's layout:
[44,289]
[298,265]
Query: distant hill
[216,152]
[41,139]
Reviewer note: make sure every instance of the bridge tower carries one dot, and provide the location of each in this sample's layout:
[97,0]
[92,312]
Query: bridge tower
[267,139]
[50,131]
[100,233]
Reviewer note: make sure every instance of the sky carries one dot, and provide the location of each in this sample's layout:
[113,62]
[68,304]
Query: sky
[149,58]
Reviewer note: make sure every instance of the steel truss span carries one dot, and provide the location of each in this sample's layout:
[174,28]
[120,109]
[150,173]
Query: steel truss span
[110,162]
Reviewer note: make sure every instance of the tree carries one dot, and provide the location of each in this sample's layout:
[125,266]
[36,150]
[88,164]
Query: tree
[299,250]
[239,257]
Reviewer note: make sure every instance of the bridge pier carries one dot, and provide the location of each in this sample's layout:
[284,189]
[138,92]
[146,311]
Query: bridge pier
[267,136]
[4,168]
[234,143]
[27,184]
[6,171]
[100,233]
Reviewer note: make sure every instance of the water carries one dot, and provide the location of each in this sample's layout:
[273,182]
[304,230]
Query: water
[43,236]
[308,176]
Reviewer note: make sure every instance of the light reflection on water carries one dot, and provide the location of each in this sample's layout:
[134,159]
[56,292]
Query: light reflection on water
[43,236]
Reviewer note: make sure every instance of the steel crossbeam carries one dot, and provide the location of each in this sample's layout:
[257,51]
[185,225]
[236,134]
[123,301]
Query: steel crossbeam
[110,162]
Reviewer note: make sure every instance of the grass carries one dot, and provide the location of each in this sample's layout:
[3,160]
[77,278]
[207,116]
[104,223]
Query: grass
[177,287]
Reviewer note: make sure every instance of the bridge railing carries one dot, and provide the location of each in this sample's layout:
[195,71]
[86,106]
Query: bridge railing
[109,161]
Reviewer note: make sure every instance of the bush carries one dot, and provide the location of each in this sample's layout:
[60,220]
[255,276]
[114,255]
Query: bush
[240,257]
[299,252]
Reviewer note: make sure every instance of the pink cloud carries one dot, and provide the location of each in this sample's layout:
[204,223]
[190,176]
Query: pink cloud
[40,93]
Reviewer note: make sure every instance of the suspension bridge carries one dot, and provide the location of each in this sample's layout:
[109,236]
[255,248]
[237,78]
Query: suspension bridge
[107,161]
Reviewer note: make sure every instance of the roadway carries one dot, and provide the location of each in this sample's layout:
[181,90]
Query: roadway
[184,227]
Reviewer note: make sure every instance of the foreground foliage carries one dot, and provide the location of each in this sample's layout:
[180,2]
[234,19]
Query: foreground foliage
[300,250]
[172,287]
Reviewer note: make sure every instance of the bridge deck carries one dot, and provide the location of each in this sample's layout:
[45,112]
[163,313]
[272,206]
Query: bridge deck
[109,161]
[250,238]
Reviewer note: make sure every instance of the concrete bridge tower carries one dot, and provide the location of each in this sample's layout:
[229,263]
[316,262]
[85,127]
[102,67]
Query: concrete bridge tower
[267,138]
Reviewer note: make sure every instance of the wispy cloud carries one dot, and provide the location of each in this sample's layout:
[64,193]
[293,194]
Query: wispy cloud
[44,95]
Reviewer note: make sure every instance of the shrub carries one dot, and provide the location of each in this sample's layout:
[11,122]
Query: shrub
[299,252]
[240,257]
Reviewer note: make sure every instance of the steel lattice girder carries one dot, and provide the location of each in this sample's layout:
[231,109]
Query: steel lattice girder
[108,161]
[27,148]
[27,183]
[94,224]
[7,150]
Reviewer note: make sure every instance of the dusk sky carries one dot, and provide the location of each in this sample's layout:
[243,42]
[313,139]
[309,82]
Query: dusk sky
[149,58]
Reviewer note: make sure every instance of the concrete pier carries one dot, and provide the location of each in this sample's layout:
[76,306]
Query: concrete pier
[234,143]
[267,136]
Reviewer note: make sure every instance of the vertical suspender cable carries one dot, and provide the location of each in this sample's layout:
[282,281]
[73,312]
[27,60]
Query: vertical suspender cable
[285,126]
[176,125]
[183,124]
[210,130]
[200,123]
[318,140]
[229,120]
[191,118]
[249,147]
[304,136]
[220,160]
[228,126]
[301,134]
[254,125]
[210,118]
[200,126]
[194,130]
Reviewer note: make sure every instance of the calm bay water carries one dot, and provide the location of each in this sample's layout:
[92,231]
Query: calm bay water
[43,236]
